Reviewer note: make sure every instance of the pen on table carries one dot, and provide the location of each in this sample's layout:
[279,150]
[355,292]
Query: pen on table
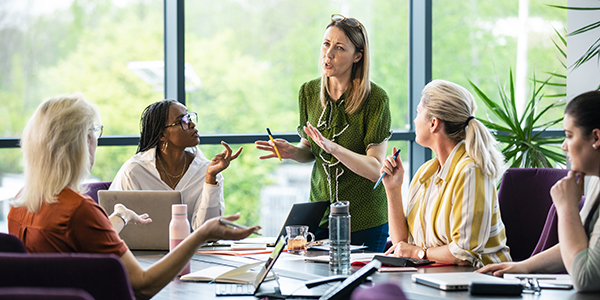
[381,177]
[234,225]
[271,137]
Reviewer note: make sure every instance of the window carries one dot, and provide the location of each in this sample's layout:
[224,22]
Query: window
[94,47]
[482,41]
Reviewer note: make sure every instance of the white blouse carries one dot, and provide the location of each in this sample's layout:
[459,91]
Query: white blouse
[204,200]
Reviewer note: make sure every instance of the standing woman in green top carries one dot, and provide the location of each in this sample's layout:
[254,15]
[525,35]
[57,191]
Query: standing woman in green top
[344,126]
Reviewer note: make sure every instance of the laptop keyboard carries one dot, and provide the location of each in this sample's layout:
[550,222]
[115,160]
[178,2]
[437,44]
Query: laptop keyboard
[233,289]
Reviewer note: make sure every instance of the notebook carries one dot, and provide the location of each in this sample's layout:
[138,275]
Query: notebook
[308,213]
[157,204]
[454,281]
[222,289]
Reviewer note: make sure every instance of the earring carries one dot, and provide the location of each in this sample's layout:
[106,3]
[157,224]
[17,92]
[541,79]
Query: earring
[595,146]
[164,146]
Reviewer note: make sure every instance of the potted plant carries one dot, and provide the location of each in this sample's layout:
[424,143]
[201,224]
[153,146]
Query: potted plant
[522,138]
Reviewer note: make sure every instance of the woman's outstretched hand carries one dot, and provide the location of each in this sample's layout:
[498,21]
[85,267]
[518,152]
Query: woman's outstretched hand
[319,139]
[221,161]
[286,150]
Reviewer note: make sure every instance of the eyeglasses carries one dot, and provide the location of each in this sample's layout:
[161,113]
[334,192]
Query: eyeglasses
[530,285]
[185,121]
[352,22]
[97,130]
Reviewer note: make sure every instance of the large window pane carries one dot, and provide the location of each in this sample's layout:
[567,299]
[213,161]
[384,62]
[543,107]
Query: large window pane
[108,50]
[478,40]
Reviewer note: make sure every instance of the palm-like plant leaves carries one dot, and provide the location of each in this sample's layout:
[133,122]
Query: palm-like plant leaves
[594,49]
[521,137]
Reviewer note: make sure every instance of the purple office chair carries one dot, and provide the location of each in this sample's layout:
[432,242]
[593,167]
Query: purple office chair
[549,236]
[35,293]
[101,275]
[11,243]
[94,187]
[380,291]
[524,199]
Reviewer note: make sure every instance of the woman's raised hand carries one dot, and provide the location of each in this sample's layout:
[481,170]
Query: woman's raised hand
[132,216]
[222,160]
[568,191]
[394,171]
[286,150]
[319,139]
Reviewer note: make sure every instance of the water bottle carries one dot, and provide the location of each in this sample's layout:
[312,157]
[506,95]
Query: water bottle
[339,237]
[179,229]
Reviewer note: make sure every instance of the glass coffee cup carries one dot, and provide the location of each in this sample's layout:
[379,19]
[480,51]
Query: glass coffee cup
[297,238]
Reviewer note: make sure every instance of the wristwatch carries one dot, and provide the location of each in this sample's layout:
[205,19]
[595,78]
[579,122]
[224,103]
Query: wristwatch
[422,254]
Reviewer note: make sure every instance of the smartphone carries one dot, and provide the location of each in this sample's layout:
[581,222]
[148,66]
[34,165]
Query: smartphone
[234,225]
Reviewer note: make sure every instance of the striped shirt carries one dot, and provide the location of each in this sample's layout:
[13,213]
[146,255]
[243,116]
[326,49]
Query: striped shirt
[456,205]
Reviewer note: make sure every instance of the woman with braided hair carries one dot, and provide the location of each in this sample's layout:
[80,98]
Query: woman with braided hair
[167,159]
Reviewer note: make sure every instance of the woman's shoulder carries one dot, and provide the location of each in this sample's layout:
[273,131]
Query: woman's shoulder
[71,203]
[311,86]
[377,92]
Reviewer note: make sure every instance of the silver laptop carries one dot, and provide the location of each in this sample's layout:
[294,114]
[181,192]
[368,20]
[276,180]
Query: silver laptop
[454,281]
[157,204]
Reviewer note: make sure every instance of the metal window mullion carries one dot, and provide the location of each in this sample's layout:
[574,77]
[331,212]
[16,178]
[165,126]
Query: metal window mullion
[174,50]
[419,71]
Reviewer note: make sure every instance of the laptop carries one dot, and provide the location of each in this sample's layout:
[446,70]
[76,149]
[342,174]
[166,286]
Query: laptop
[157,204]
[228,289]
[308,213]
[454,281]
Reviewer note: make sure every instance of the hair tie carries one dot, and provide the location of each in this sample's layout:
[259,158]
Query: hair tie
[469,119]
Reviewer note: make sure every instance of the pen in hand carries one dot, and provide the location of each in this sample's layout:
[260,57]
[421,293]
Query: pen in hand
[275,147]
[381,177]
[234,225]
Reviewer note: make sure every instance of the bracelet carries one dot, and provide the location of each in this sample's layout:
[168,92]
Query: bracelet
[120,215]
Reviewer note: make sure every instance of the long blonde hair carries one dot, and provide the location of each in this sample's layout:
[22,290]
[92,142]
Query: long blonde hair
[455,107]
[55,149]
[360,82]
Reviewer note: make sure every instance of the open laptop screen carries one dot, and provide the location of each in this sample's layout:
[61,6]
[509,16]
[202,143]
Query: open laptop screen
[262,274]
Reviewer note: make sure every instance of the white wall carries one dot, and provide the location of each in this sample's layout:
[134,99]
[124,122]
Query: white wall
[587,76]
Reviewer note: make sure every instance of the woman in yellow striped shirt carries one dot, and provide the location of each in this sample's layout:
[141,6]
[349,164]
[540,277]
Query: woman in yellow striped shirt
[452,214]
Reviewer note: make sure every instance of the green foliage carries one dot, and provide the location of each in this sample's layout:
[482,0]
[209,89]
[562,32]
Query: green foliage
[521,135]
[594,49]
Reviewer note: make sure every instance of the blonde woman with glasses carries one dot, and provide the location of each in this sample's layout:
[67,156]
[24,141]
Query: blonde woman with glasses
[344,128]
[51,214]
[452,215]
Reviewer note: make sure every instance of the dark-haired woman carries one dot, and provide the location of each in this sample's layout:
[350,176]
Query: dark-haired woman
[578,250]
[167,159]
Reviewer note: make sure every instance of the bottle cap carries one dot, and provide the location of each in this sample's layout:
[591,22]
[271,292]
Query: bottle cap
[179,209]
[340,208]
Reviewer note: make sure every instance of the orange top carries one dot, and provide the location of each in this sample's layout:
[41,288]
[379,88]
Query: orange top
[74,224]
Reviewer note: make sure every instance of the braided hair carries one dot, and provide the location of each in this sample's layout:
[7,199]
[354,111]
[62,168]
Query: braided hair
[152,123]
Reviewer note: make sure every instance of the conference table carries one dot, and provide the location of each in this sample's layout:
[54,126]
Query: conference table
[294,268]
